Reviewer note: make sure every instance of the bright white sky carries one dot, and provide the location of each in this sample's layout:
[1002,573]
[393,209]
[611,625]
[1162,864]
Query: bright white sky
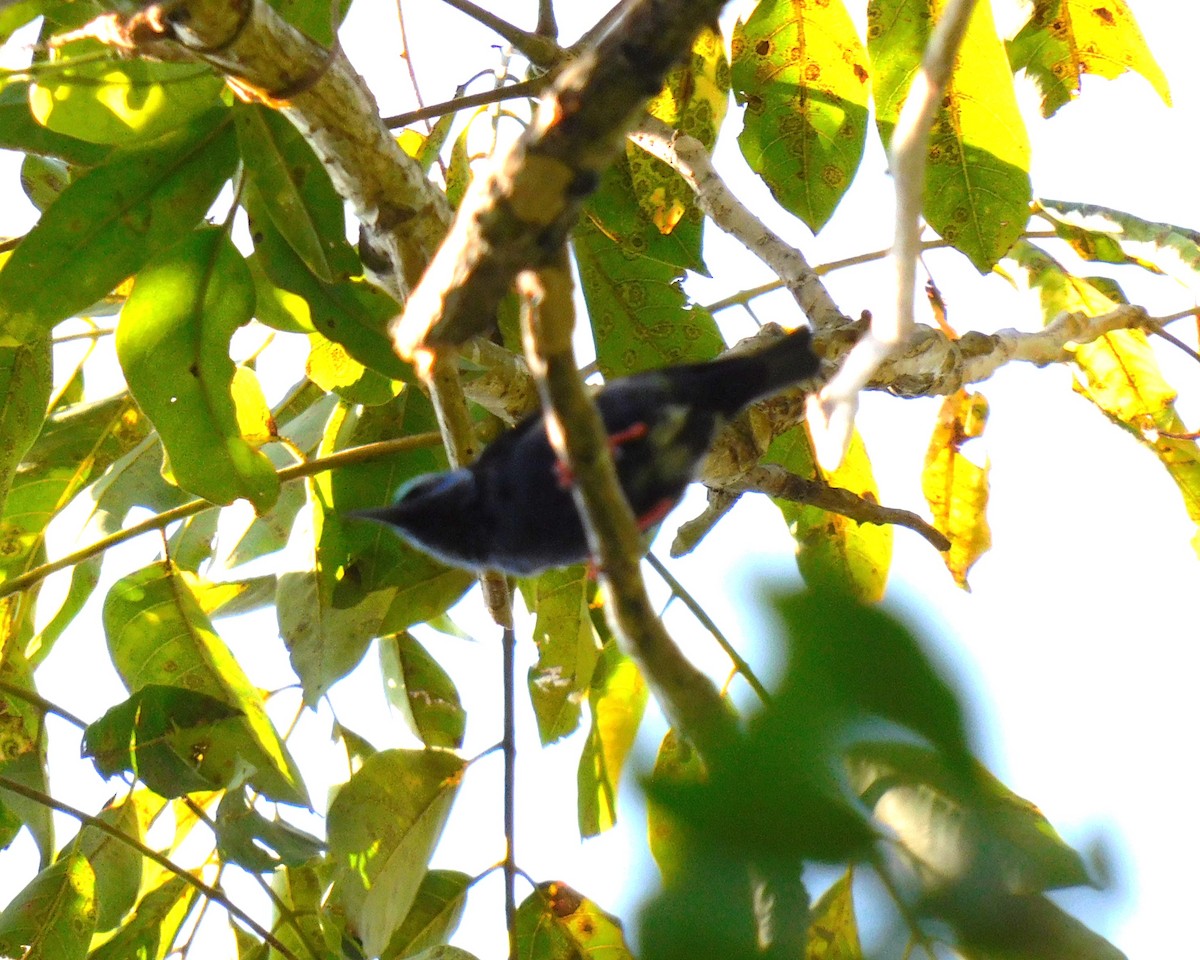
[1076,645]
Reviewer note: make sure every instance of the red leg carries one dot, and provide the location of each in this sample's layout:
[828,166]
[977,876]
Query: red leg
[634,432]
[655,514]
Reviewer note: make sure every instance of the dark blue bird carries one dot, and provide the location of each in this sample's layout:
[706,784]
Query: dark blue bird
[512,509]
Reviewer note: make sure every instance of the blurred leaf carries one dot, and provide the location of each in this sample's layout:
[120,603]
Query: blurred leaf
[693,101]
[567,651]
[25,378]
[677,762]
[963,829]
[119,102]
[110,221]
[117,865]
[556,922]
[316,19]
[247,838]
[173,344]
[162,735]
[43,179]
[977,188]
[1064,39]
[422,691]
[157,634]
[800,69]
[617,698]
[434,915]
[54,915]
[296,191]
[1024,928]
[641,318]
[955,487]
[302,924]
[19,131]
[832,550]
[833,928]
[383,826]
[151,931]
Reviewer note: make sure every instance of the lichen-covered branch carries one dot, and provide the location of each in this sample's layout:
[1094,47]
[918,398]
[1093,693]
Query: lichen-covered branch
[518,214]
[831,413]
[690,700]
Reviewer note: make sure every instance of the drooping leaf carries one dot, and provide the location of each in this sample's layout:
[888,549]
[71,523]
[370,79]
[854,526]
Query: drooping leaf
[800,69]
[296,191]
[117,865]
[1064,39]
[164,735]
[110,221]
[383,825]
[434,915]
[641,318]
[173,344]
[556,922]
[833,928]
[955,486]
[53,917]
[422,691]
[157,633]
[567,651]
[977,188]
[856,555]
[1023,927]
[617,699]
[23,754]
[118,102]
[677,762]
[247,838]
[303,925]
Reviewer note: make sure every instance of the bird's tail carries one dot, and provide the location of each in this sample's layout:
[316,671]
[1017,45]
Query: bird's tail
[731,382]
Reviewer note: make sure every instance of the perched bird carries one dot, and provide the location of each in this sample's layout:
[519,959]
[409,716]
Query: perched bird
[512,509]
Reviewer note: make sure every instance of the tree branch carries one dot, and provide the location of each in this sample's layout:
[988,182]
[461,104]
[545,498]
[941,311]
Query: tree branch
[212,893]
[540,50]
[525,88]
[518,214]
[689,699]
[831,414]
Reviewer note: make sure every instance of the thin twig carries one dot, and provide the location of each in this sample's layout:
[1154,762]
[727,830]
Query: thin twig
[30,697]
[406,54]
[509,748]
[541,51]
[739,663]
[14,786]
[342,458]
[523,88]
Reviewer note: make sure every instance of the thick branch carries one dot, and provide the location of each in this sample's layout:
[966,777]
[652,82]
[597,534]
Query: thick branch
[688,697]
[518,214]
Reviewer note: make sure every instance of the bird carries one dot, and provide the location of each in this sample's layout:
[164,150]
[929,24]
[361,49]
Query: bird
[512,509]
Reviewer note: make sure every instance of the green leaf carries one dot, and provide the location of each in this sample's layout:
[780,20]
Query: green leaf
[110,221]
[117,865]
[567,651]
[20,132]
[119,102]
[955,486]
[25,378]
[641,318]
[164,736]
[332,368]
[316,19]
[962,828]
[1064,39]
[247,838]
[617,699]
[434,915]
[151,931]
[173,345]
[800,69]
[43,179]
[977,188]
[556,922]
[23,754]
[422,691]
[383,826]
[351,312]
[296,191]
[54,916]
[302,923]
[832,927]
[676,762]
[857,556]
[1024,928]
[157,633]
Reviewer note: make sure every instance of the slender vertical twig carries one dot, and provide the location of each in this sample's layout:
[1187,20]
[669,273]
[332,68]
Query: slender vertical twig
[509,746]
